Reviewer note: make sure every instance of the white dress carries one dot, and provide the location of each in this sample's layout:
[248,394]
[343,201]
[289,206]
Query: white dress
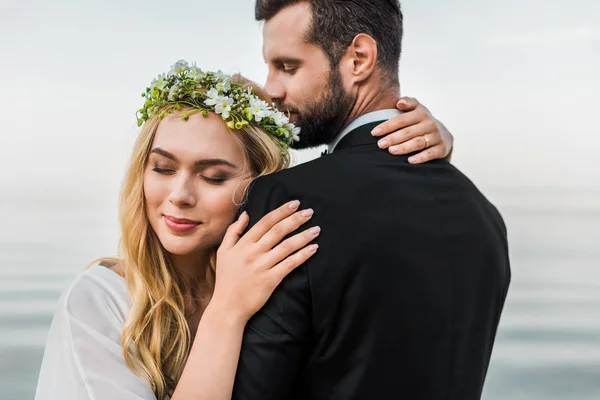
[83,357]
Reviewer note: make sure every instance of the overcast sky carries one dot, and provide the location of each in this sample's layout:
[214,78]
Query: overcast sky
[516,81]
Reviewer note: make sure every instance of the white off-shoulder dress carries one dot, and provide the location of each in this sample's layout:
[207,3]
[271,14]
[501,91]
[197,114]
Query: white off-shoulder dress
[84,357]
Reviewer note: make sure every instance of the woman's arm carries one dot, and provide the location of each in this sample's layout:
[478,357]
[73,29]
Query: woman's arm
[249,267]
[210,369]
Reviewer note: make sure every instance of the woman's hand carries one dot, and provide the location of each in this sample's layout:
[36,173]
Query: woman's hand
[416,129]
[250,267]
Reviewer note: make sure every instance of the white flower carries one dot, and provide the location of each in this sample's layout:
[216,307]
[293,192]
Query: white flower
[173,92]
[179,67]
[220,75]
[224,86]
[196,73]
[279,118]
[223,106]
[212,97]
[158,83]
[294,132]
[268,113]
[258,109]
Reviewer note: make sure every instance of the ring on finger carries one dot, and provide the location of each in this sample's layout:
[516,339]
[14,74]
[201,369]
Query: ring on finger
[427,142]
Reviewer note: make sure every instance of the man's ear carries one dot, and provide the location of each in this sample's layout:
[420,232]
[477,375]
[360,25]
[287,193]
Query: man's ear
[361,58]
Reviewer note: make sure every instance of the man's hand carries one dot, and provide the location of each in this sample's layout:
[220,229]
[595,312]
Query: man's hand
[416,129]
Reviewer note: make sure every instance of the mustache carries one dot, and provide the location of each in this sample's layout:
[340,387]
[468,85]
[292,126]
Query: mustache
[287,108]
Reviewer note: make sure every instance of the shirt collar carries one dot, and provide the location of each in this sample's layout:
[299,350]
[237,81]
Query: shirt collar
[380,115]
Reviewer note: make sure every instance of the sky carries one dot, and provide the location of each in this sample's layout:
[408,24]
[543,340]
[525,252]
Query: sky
[515,81]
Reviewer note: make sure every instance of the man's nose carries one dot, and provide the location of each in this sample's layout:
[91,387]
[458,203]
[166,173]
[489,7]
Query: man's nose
[275,88]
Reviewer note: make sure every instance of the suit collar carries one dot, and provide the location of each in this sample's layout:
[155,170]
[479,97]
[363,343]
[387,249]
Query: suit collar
[359,136]
[379,115]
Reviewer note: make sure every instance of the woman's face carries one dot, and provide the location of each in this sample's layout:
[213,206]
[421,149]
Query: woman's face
[194,178]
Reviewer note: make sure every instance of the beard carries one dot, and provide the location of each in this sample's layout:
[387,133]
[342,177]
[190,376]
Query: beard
[322,120]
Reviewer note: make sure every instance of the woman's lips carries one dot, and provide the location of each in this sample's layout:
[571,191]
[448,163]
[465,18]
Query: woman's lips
[180,224]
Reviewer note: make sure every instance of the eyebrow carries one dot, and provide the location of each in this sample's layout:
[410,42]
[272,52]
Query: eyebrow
[286,60]
[209,162]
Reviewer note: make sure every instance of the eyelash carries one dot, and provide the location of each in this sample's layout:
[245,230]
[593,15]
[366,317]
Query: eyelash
[212,181]
[286,70]
[162,171]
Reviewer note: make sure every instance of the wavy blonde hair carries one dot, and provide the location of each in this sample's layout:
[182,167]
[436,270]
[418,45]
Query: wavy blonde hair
[156,338]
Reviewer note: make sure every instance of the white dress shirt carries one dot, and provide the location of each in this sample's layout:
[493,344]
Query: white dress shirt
[380,115]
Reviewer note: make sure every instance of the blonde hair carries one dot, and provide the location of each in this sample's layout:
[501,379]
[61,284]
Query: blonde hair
[156,338]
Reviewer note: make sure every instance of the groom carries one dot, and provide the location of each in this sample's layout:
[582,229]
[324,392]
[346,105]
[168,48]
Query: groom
[404,296]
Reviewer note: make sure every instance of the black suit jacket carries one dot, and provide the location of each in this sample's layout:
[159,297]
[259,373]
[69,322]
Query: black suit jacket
[404,296]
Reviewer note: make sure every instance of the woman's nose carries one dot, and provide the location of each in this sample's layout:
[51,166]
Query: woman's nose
[183,192]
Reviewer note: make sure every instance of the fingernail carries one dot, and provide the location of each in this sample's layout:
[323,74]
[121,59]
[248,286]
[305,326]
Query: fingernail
[308,213]
[243,214]
[376,131]
[402,101]
[394,149]
[383,144]
[412,160]
[313,247]
[315,231]
[294,204]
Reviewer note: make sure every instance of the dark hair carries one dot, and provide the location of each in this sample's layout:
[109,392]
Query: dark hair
[335,24]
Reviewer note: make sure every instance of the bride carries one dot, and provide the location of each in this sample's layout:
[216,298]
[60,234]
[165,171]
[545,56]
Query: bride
[166,318]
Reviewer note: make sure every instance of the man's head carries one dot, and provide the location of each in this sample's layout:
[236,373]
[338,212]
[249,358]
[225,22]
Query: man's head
[322,53]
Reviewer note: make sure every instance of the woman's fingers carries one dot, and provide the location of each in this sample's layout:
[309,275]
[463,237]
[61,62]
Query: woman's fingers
[286,266]
[404,135]
[283,228]
[398,122]
[292,244]
[270,220]
[417,143]
[436,149]
[235,231]
[407,104]
[433,153]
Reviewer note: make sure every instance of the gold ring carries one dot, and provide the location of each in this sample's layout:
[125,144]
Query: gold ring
[427,141]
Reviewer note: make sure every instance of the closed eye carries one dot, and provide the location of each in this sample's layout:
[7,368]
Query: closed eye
[163,171]
[287,66]
[214,181]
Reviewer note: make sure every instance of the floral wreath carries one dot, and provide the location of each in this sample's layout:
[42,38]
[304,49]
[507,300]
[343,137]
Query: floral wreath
[213,92]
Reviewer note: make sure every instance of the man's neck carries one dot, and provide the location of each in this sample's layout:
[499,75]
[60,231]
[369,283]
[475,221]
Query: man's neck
[373,101]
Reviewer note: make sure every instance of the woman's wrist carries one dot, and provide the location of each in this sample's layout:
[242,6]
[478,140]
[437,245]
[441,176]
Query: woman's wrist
[224,316]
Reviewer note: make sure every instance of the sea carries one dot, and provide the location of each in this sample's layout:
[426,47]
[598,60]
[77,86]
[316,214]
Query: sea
[548,342]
